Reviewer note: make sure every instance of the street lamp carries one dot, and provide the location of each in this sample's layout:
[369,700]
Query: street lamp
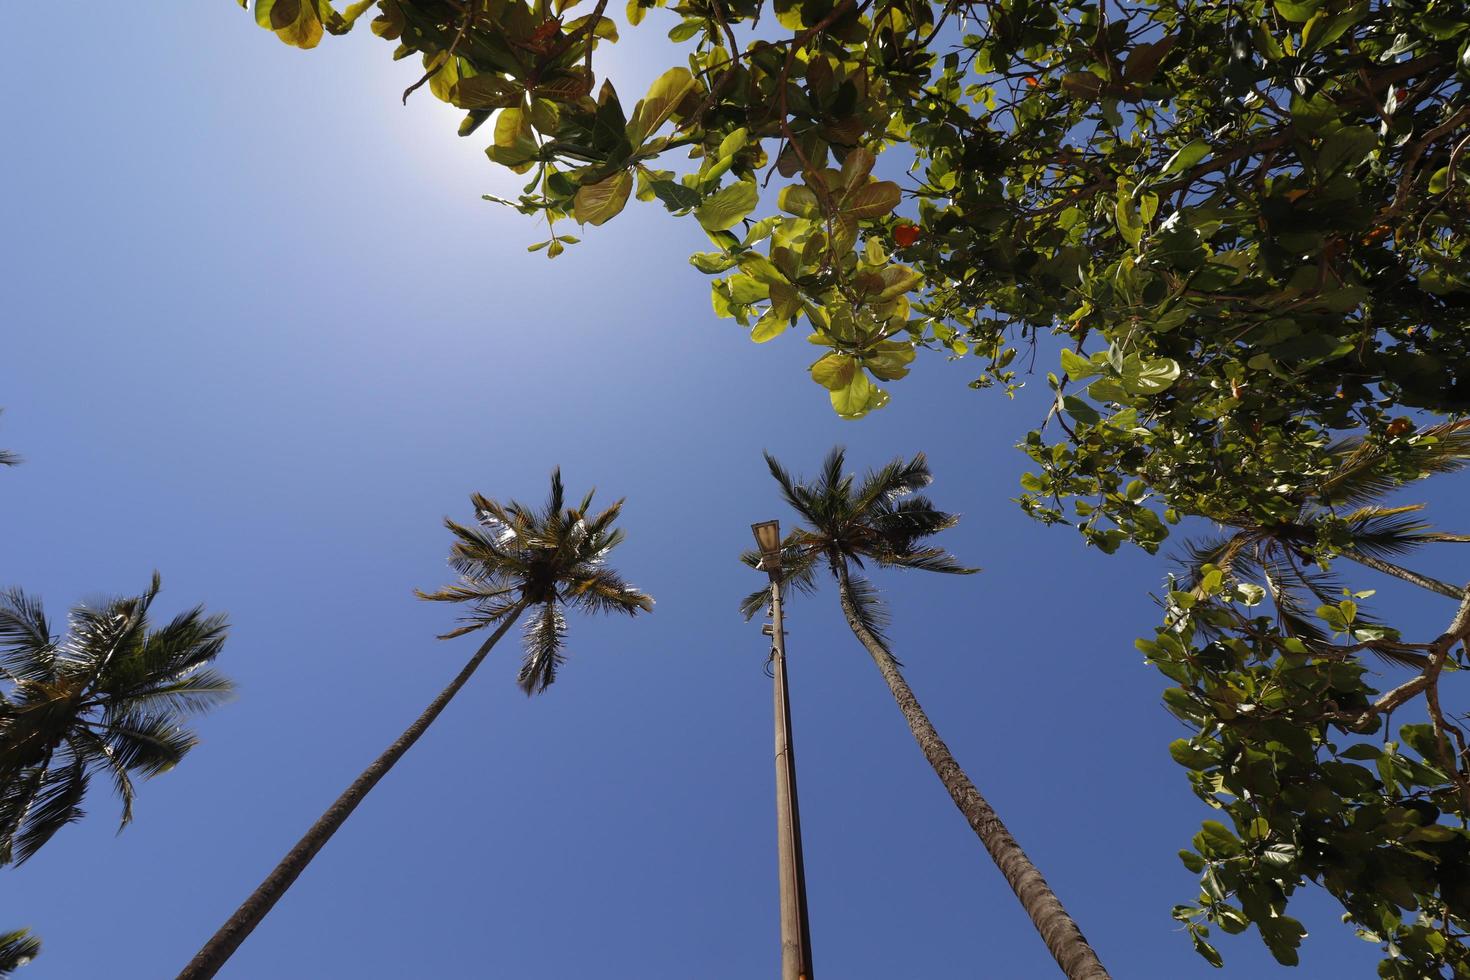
[796,940]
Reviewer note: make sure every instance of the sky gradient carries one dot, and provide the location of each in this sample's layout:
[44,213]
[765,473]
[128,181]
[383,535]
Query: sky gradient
[263,335]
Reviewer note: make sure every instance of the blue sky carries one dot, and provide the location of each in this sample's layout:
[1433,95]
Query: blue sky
[263,335]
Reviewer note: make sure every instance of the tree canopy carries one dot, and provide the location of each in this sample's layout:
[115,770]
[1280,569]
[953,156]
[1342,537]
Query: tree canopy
[1235,231]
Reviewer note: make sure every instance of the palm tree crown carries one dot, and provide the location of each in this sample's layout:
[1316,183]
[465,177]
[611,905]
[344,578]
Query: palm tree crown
[110,697]
[1342,513]
[882,519]
[516,557]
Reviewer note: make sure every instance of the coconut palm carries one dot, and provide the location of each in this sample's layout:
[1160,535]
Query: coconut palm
[108,698]
[883,520]
[16,950]
[1343,509]
[511,559]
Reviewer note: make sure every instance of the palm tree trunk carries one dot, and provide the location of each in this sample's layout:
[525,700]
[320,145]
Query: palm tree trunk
[239,926]
[1408,575]
[1058,931]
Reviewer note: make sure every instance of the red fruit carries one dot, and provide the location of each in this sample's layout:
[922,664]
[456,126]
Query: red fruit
[905,235]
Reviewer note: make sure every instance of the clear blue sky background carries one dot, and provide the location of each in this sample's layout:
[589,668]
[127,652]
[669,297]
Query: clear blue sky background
[261,334]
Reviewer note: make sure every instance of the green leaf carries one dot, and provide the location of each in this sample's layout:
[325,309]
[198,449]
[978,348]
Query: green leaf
[1345,149]
[1187,156]
[596,203]
[834,371]
[1299,11]
[712,263]
[485,92]
[663,97]
[1151,377]
[1214,839]
[515,141]
[858,398]
[873,200]
[1077,366]
[293,21]
[733,143]
[798,200]
[726,207]
[769,327]
[1080,410]
[1210,953]
[675,196]
[1189,756]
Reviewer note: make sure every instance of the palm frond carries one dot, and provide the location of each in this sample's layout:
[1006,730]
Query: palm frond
[894,481]
[469,590]
[172,653]
[1387,532]
[545,635]
[755,604]
[491,612]
[88,746]
[603,590]
[1365,470]
[557,496]
[27,650]
[792,491]
[55,803]
[145,741]
[915,517]
[1225,552]
[869,608]
[927,560]
[831,479]
[198,691]
[17,949]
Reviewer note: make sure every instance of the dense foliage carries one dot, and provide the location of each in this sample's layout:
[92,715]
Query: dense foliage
[1242,223]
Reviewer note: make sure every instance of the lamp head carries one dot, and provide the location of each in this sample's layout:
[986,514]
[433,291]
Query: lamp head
[768,540]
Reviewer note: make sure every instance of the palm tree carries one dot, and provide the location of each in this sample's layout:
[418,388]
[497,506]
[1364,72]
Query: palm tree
[16,950]
[111,697]
[882,519]
[513,558]
[1344,508]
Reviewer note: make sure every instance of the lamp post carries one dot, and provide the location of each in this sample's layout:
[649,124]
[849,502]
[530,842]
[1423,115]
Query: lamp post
[796,940]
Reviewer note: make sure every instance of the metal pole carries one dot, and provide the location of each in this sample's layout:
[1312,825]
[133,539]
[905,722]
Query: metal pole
[796,940]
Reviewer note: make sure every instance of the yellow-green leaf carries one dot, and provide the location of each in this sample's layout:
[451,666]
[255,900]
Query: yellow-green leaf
[293,21]
[485,92]
[858,398]
[663,97]
[834,371]
[872,200]
[769,327]
[799,200]
[725,208]
[596,203]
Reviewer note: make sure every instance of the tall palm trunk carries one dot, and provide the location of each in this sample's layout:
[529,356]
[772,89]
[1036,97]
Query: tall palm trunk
[1058,931]
[239,926]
